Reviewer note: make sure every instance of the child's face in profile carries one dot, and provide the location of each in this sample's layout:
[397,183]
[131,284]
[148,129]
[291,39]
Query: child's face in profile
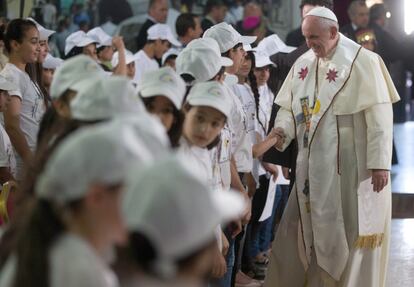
[202,125]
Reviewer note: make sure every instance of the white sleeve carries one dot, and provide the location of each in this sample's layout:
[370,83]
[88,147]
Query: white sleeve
[379,119]
[15,78]
[285,121]
[4,159]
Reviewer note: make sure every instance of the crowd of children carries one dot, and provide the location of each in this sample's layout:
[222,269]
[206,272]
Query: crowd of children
[134,174]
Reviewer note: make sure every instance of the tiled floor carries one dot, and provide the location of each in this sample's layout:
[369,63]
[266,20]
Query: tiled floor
[403,173]
[401,263]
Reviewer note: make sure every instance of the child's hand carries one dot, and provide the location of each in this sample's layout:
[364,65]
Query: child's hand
[219,266]
[225,243]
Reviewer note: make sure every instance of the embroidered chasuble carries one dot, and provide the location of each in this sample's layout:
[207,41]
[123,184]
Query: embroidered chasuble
[335,228]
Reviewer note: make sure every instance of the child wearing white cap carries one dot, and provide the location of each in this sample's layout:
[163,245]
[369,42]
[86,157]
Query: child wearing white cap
[7,158]
[104,48]
[80,43]
[49,66]
[169,57]
[130,59]
[44,35]
[27,102]
[76,218]
[167,195]
[162,92]
[159,40]
[163,195]
[67,79]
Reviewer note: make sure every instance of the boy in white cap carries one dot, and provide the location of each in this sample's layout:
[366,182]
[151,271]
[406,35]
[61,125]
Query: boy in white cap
[160,39]
[80,43]
[169,57]
[68,77]
[76,218]
[49,66]
[7,159]
[167,195]
[337,104]
[130,59]
[162,92]
[103,98]
[104,48]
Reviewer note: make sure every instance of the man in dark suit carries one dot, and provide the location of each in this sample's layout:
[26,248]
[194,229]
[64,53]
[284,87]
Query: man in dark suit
[387,46]
[359,14]
[215,12]
[157,13]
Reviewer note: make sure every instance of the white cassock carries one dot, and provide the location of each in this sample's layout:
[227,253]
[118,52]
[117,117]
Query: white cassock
[335,230]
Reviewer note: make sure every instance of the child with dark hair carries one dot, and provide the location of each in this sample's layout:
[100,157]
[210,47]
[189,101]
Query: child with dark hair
[75,220]
[162,92]
[27,102]
[164,195]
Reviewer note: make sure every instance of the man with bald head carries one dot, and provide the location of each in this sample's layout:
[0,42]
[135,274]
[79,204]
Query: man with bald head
[337,103]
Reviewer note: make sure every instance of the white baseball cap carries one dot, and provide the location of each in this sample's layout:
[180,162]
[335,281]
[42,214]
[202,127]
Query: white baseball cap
[175,211]
[163,82]
[7,85]
[163,32]
[211,94]
[262,60]
[77,39]
[201,59]
[227,37]
[100,37]
[166,55]
[102,153]
[272,45]
[129,58]
[52,62]
[322,12]
[104,98]
[44,33]
[72,73]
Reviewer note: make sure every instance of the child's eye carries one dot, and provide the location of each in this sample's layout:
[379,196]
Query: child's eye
[168,111]
[215,124]
[200,119]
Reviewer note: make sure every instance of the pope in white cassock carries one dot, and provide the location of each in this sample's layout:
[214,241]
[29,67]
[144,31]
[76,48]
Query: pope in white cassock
[337,102]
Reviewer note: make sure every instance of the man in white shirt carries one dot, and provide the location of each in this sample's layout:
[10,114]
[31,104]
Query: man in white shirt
[49,14]
[160,39]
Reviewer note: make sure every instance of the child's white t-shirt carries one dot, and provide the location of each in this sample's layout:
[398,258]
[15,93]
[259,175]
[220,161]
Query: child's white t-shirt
[241,142]
[7,158]
[144,64]
[73,263]
[32,107]
[197,160]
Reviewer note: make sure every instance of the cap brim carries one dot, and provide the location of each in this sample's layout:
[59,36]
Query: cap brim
[6,86]
[148,92]
[226,62]
[209,103]
[46,33]
[260,64]
[245,40]
[174,42]
[230,205]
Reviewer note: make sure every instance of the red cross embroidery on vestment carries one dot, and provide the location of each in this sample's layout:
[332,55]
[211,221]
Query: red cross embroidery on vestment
[332,75]
[303,73]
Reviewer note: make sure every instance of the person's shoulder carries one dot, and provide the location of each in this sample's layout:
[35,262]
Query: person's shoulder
[74,262]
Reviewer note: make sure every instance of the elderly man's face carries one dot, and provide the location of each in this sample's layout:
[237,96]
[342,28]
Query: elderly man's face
[319,37]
